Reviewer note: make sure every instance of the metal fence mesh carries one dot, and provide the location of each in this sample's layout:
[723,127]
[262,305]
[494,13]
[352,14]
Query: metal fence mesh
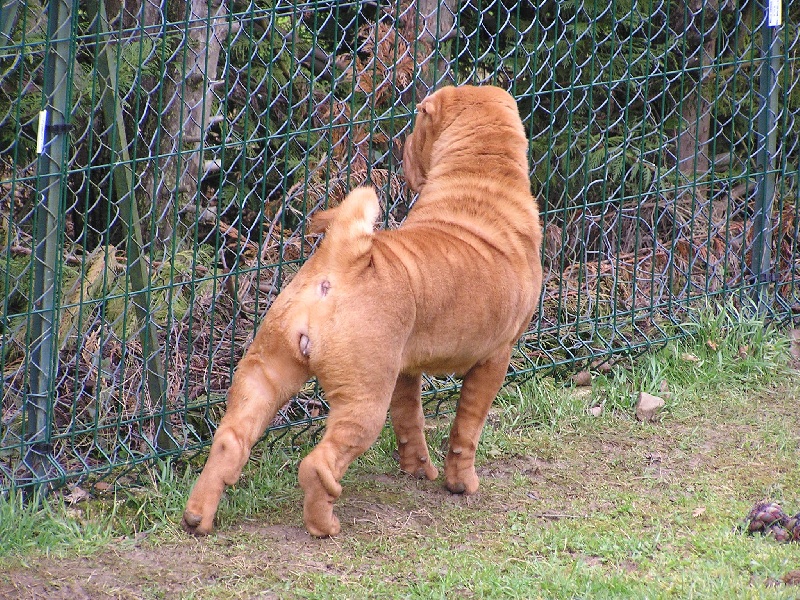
[158,162]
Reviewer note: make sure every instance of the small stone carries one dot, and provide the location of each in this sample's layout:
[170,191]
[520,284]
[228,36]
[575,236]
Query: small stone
[648,406]
[794,345]
[791,578]
[596,411]
[582,378]
[602,365]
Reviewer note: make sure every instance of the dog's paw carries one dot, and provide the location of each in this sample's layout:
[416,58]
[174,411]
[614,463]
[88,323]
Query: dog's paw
[459,487]
[427,471]
[324,528]
[415,460]
[193,523]
[462,482]
[420,469]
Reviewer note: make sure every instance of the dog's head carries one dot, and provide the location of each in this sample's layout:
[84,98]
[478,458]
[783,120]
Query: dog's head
[439,111]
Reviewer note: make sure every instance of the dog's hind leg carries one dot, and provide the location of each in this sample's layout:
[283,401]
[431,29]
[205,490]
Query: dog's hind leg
[408,422]
[356,418]
[481,384]
[264,381]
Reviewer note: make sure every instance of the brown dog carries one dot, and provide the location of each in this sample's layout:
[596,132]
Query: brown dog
[450,291]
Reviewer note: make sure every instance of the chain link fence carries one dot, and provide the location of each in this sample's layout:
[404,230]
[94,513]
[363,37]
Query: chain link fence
[158,162]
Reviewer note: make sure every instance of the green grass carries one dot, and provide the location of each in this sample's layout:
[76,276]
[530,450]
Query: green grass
[51,528]
[570,506]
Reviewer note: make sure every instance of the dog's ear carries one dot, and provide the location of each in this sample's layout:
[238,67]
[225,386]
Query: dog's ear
[412,169]
[434,104]
[427,106]
[430,105]
[416,153]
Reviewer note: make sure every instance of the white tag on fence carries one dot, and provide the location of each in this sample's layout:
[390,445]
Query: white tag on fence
[774,13]
[40,132]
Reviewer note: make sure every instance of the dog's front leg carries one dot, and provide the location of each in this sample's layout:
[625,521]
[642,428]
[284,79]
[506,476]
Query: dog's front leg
[352,427]
[260,387]
[408,422]
[481,384]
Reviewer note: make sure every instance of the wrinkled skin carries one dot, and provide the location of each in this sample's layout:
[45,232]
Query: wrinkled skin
[450,291]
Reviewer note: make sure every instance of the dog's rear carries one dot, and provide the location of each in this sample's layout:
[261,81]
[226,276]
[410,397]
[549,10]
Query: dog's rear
[277,363]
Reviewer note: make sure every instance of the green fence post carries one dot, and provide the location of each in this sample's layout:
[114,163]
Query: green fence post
[123,177]
[761,259]
[50,182]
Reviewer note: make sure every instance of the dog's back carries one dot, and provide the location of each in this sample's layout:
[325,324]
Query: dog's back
[473,239]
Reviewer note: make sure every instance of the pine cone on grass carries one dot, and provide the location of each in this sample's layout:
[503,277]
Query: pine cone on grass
[793,527]
[769,519]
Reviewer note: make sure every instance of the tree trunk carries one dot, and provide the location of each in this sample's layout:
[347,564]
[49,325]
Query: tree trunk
[437,19]
[175,111]
[426,25]
[693,136]
[699,22]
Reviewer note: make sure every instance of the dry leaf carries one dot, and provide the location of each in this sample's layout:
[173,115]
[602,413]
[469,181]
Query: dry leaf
[689,357]
[791,578]
[697,512]
[602,365]
[76,494]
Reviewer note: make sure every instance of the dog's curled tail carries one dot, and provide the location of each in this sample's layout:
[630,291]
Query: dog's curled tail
[349,227]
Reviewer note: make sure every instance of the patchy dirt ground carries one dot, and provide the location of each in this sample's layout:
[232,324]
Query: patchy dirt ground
[691,468]
[139,568]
